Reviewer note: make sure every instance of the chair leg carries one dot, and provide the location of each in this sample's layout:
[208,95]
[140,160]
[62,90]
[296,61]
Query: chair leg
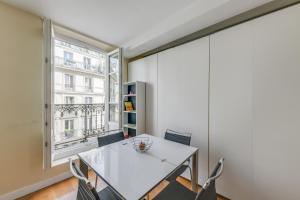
[96,182]
[190,169]
[147,197]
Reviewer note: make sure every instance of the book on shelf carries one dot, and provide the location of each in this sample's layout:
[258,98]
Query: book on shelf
[128,106]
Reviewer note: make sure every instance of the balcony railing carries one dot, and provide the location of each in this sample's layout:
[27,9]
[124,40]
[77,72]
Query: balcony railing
[88,122]
[81,66]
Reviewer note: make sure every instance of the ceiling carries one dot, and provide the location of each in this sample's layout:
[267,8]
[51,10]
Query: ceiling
[136,25]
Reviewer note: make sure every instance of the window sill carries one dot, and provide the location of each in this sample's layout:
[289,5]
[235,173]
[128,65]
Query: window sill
[62,156]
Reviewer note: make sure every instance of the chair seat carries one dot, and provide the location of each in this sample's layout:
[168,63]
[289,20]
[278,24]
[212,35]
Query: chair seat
[176,191]
[108,194]
[177,173]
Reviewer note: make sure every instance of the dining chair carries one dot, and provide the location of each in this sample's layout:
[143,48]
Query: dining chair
[109,139]
[85,189]
[183,138]
[176,191]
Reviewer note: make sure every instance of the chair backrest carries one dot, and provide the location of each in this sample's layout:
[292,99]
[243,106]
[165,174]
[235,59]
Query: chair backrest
[85,190]
[183,138]
[208,191]
[110,138]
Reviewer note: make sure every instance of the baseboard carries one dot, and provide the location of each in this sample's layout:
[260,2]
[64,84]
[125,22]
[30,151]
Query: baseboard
[35,187]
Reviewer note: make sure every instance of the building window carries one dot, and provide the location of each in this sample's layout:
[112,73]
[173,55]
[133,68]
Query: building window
[69,100]
[68,58]
[88,100]
[88,84]
[87,63]
[69,81]
[88,125]
[69,128]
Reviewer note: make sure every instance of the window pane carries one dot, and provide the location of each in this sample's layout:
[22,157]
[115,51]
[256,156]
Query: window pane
[114,91]
[114,63]
[113,88]
[76,69]
[114,112]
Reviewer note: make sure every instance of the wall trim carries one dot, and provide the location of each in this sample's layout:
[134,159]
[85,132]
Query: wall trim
[227,23]
[35,187]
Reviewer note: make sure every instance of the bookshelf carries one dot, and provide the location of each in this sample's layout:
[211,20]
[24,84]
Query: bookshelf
[134,120]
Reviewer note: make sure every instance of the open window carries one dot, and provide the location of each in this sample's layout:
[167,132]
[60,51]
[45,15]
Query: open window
[82,93]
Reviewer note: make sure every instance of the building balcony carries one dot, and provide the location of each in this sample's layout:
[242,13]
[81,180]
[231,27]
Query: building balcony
[78,66]
[88,122]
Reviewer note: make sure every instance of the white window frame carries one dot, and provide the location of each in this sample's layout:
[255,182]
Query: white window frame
[107,91]
[71,86]
[48,72]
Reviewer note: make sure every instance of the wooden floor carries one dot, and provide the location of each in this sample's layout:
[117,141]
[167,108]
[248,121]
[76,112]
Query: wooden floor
[67,189]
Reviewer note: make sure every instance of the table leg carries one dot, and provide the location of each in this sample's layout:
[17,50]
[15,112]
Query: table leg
[195,171]
[84,168]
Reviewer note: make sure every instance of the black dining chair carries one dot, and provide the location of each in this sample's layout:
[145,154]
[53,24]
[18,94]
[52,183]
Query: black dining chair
[109,139]
[176,191]
[85,189]
[183,138]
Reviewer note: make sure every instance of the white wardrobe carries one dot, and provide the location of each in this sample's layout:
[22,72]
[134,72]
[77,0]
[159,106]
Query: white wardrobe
[172,101]
[238,92]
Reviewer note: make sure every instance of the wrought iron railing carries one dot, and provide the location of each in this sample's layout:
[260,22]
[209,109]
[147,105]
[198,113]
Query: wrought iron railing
[98,69]
[88,121]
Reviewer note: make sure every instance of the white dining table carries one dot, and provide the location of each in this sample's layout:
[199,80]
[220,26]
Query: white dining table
[132,174]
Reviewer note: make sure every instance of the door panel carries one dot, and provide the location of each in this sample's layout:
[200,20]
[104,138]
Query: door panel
[183,95]
[276,105]
[230,133]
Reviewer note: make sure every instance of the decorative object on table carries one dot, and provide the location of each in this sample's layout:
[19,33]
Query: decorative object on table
[126,136]
[128,106]
[142,144]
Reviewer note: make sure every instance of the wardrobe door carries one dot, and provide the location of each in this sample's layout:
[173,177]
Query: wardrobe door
[277,105]
[183,95]
[230,118]
[145,70]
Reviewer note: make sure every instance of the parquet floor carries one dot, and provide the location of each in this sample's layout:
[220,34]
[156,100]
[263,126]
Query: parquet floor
[67,189]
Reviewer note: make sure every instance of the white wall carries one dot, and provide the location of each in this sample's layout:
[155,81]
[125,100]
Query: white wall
[21,102]
[146,70]
[253,103]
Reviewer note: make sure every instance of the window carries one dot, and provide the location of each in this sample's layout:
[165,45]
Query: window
[68,58]
[69,81]
[88,100]
[86,63]
[88,84]
[69,100]
[74,127]
[69,128]
[89,123]
[114,79]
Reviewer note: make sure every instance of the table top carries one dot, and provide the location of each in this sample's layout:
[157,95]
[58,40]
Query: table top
[133,174]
